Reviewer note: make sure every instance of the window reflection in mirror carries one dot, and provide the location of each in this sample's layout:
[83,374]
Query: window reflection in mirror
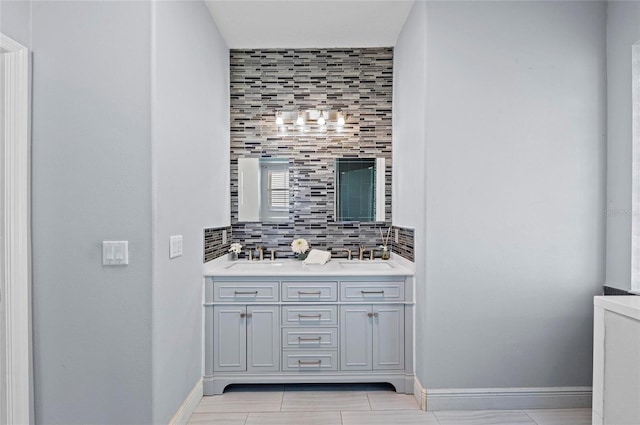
[360,189]
[263,189]
[274,189]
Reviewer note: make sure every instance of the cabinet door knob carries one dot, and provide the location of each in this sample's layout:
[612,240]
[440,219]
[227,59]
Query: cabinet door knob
[245,315]
[369,314]
[375,314]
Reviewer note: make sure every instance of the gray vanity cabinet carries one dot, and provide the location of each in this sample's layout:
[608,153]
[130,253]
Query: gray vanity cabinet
[246,338]
[308,329]
[372,337]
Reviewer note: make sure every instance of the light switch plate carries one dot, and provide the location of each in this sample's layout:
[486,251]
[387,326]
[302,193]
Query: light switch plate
[396,235]
[175,246]
[224,236]
[115,253]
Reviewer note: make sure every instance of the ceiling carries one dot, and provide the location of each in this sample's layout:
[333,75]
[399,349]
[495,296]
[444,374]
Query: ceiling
[261,24]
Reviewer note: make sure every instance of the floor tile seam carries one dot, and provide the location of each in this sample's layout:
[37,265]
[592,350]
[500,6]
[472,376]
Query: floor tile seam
[529,416]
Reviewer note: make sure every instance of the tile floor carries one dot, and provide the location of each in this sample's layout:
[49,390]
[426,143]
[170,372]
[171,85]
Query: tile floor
[354,404]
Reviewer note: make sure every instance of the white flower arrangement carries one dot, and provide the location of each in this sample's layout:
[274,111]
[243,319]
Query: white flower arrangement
[236,248]
[300,246]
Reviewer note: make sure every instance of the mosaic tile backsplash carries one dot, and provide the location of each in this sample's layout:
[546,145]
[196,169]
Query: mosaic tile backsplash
[356,81]
[213,246]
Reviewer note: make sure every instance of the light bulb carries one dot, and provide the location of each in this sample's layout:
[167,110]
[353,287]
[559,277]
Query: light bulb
[321,120]
[340,121]
[300,120]
[279,120]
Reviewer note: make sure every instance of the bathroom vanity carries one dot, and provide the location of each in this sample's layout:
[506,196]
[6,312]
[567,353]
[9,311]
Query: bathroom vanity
[286,322]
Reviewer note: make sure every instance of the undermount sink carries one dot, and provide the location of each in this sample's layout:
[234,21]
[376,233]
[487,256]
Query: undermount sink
[365,265]
[255,265]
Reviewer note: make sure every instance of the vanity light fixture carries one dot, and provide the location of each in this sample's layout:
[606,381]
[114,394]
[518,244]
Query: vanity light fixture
[304,120]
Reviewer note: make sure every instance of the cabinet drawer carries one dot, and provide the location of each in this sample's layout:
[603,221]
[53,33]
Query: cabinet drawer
[308,361]
[309,291]
[299,315]
[309,338]
[372,291]
[245,291]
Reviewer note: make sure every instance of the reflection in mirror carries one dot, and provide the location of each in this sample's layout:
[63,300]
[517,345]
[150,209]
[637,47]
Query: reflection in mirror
[360,189]
[263,189]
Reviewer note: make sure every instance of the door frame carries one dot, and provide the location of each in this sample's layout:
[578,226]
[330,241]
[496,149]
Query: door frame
[17,226]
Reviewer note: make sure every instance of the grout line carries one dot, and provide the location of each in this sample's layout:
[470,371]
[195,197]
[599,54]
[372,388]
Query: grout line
[369,401]
[533,420]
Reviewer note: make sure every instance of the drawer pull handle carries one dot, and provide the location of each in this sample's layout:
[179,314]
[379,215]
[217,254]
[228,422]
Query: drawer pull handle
[309,316]
[372,292]
[309,362]
[243,315]
[309,292]
[245,292]
[309,338]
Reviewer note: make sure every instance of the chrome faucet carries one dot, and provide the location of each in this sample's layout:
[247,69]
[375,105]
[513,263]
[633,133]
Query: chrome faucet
[250,256]
[260,250]
[361,250]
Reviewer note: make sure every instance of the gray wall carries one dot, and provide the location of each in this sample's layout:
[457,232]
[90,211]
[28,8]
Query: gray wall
[15,21]
[128,126]
[515,175]
[409,94]
[91,180]
[190,187]
[623,30]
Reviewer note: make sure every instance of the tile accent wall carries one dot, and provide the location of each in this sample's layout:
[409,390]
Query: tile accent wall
[358,82]
[406,242]
[213,246]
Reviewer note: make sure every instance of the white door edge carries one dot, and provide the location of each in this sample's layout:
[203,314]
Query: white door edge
[17,243]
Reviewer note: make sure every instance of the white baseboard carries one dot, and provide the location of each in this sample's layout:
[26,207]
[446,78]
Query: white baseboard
[502,398]
[420,394]
[188,406]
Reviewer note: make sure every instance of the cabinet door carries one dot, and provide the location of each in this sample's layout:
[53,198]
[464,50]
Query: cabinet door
[388,337]
[229,338]
[622,369]
[355,337]
[263,336]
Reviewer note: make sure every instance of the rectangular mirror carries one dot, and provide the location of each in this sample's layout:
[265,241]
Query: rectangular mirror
[263,189]
[360,189]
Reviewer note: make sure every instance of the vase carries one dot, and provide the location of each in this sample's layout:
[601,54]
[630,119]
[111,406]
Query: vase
[385,252]
[233,256]
[302,256]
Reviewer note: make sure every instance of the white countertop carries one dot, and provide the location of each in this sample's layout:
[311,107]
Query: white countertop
[397,266]
[626,305]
